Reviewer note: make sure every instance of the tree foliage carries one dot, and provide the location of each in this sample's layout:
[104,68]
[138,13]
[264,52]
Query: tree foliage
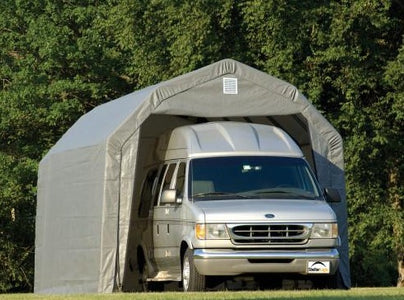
[60,59]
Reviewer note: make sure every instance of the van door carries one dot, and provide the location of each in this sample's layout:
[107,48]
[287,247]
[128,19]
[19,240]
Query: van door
[148,198]
[167,228]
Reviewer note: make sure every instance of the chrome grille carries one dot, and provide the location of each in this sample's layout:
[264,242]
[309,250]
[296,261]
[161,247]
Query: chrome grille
[269,234]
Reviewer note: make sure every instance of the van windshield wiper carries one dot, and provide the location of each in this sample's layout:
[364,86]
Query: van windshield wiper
[300,195]
[200,195]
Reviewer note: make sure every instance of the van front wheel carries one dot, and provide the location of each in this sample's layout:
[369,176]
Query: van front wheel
[191,279]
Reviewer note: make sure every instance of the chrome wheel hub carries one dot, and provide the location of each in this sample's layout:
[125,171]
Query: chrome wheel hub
[185,274]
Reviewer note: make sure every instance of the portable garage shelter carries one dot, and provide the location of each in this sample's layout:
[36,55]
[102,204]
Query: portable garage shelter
[88,182]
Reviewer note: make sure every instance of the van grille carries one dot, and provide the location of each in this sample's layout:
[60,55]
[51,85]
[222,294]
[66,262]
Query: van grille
[269,234]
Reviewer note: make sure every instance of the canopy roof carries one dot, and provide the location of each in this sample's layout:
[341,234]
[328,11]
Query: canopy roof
[88,182]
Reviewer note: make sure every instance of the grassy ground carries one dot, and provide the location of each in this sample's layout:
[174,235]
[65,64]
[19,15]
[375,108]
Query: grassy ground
[356,293]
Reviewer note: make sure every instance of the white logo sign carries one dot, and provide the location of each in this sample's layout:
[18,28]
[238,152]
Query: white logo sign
[318,267]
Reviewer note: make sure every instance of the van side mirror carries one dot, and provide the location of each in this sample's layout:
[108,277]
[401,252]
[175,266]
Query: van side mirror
[332,195]
[169,196]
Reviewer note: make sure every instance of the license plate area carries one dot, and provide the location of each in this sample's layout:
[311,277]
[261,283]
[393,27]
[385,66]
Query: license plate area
[318,267]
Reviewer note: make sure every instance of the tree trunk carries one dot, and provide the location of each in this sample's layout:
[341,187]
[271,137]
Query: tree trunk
[398,229]
[400,281]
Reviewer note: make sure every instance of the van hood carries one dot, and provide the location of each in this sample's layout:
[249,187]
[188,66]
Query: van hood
[266,210]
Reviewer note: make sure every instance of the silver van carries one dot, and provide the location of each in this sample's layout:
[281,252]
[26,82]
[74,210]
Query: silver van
[230,199]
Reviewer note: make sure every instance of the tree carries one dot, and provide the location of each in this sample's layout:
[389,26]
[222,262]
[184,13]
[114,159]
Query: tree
[55,66]
[392,128]
[163,39]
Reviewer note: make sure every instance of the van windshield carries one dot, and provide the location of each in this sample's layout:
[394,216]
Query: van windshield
[252,177]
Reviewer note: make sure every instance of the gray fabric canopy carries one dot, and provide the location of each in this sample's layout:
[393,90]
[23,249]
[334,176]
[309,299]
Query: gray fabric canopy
[88,183]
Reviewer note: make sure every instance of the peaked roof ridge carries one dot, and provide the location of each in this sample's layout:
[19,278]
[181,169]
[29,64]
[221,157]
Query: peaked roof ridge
[103,121]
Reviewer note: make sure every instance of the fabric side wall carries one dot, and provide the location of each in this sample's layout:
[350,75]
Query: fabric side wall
[69,219]
[328,155]
[109,223]
[128,163]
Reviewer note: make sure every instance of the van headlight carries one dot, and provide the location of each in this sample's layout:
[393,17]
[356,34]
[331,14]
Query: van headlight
[324,231]
[211,232]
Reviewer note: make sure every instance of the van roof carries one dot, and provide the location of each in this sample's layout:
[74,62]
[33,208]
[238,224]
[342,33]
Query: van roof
[226,138]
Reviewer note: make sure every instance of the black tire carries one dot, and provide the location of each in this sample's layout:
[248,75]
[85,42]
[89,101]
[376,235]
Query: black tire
[191,279]
[330,282]
[335,281]
[143,273]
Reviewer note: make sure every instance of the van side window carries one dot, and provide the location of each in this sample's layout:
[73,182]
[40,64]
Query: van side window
[147,194]
[180,179]
[158,187]
[168,177]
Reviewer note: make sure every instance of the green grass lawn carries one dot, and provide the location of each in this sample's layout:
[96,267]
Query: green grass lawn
[356,293]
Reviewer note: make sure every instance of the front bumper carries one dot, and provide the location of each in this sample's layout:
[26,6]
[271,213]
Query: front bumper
[228,262]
